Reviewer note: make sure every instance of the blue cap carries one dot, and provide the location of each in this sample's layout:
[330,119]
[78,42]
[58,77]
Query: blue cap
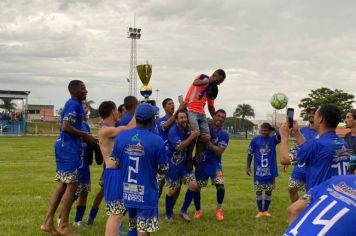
[145,111]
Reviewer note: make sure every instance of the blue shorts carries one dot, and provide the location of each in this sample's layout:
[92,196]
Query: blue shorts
[145,220]
[83,179]
[113,191]
[67,164]
[204,173]
[177,175]
[198,121]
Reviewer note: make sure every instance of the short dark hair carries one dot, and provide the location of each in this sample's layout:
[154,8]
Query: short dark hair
[121,108]
[311,110]
[221,111]
[165,101]
[331,115]
[353,112]
[180,111]
[106,108]
[266,126]
[221,72]
[74,85]
[130,102]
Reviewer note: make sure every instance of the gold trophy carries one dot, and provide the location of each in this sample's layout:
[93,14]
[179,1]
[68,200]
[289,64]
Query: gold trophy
[144,72]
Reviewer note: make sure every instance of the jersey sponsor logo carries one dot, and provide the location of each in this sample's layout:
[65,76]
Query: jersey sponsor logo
[135,150]
[177,158]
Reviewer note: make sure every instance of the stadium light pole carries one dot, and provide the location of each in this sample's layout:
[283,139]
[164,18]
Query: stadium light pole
[133,33]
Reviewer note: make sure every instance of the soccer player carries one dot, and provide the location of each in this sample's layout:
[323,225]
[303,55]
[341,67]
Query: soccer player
[325,156]
[142,155]
[328,209]
[297,178]
[130,104]
[179,139]
[67,152]
[122,111]
[263,151]
[164,124]
[195,100]
[210,164]
[83,175]
[112,174]
[350,137]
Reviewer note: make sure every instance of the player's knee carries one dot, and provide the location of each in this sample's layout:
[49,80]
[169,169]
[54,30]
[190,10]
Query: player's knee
[220,188]
[268,193]
[259,193]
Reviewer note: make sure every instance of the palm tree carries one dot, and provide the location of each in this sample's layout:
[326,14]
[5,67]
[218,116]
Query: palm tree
[7,104]
[243,111]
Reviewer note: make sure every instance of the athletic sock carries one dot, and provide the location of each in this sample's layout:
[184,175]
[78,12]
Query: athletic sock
[93,213]
[169,206]
[79,214]
[220,194]
[187,200]
[197,201]
[267,202]
[259,202]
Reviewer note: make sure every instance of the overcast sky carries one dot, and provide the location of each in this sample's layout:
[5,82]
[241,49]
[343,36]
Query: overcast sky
[265,46]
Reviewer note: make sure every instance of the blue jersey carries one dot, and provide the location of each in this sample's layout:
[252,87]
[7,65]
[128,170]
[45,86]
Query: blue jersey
[176,159]
[125,120]
[263,150]
[162,132]
[324,157]
[85,128]
[140,154]
[74,113]
[208,159]
[332,210]
[299,169]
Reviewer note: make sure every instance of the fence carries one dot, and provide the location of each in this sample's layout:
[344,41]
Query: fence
[9,127]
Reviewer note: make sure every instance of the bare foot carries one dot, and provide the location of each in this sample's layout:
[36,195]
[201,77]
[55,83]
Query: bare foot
[49,229]
[65,230]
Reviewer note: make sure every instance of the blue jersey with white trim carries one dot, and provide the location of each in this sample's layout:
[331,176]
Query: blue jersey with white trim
[177,159]
[263,150]
[324,157]
[140,154]
[332,210]
[219,138]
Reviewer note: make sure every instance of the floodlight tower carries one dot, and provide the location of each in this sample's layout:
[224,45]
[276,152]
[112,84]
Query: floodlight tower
[133,33]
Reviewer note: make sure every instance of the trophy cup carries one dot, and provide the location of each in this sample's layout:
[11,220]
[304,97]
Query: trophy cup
[144,72]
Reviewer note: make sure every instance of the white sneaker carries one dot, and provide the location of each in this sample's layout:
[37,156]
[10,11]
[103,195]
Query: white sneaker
[58,221]
[79,224]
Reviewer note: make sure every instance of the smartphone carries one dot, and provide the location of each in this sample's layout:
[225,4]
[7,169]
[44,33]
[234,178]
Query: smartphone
[180,99]
[290,115]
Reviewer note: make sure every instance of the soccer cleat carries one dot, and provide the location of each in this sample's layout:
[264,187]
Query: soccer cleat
[259,214]
[79,224]
[198,215]
[185,217]
[266,213]
[219,214]
[168,218]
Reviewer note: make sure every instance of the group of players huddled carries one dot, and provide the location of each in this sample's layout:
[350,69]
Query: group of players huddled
[142,153]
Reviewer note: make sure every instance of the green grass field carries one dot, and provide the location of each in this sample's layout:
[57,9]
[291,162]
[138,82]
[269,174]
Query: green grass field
[27,171]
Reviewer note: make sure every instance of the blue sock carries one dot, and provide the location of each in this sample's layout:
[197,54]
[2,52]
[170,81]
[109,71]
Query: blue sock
[132,229]
[79,214]
[187,200]
[169,206]
[259,202]
[220,194]
[268,199]
[197,201]
[93,213]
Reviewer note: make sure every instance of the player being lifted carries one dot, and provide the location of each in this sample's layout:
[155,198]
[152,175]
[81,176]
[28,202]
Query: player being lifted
[204,89]
[262,150]
[112,173]
[210,164]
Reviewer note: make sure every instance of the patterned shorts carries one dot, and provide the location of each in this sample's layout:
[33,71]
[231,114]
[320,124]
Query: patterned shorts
[83,188]
[296,184]
[176,184]
[115,207]
[66,176]
[203,178]
[264,186]
[145,220]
